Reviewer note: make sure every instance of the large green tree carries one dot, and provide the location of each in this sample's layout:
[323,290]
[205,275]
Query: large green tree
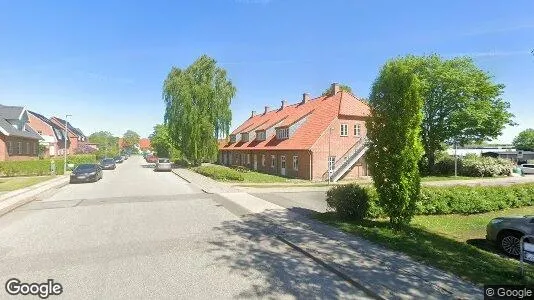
[130,139]
[197,113]
[393,130]
[462,104]
[342,87]
[525,140]
[107,143]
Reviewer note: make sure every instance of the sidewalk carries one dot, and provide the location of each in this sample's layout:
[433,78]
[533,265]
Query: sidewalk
[207,185]
[11,200]
[379,272]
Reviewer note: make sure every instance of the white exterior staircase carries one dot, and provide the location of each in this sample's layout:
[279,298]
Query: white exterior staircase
[347,161]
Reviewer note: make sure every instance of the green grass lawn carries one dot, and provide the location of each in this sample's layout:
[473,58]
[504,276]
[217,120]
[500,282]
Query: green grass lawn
[446,178]
[8,184]
[223,173]
[454,243]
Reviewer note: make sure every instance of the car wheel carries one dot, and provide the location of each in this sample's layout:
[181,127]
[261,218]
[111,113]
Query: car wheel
[509,242]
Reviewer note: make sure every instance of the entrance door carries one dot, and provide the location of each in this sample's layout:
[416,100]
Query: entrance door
[283,165]
[255,161]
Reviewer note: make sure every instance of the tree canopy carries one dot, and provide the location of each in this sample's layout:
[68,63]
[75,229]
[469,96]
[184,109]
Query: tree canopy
[197,108]
[393,130]
[342,87]
[462,104]
[108,144]
[130,139]
[525,140]
[160,140]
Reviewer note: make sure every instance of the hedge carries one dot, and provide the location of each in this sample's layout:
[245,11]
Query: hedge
[39,167]
[436,200]
[220,173]
[474,166]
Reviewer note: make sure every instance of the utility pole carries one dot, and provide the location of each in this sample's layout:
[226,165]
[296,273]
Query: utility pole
[66,136]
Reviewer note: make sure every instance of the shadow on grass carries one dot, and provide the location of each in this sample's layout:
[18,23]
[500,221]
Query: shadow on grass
[475,261]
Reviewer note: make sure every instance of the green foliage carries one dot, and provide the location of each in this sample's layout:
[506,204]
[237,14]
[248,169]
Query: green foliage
[342,87]
[220,173]
[474,166]
[81,159]
[525,140]
[461,103]
[41,166]
[197,113]
[108,145]
[129,140]
[394,139]
[349,201]
[161,143]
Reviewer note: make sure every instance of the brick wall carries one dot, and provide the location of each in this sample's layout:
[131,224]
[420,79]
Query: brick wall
[15,155]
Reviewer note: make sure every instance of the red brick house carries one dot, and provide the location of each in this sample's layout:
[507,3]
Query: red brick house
[75,136]
[53,136]
[18,141]
[304,140]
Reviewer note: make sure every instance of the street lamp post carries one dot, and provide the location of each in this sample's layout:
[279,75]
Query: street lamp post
[66,135]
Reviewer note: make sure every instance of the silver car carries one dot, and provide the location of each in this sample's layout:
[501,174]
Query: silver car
[163,164]
[507,231]
[527,168]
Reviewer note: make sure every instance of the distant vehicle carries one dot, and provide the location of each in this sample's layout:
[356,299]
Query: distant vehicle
[163,164]
[124,157]
[527,168]
[86,173]
[151,159]
[507,232]
[118,159]
[108,164]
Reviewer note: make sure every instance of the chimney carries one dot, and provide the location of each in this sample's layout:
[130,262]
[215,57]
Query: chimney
[284,103]
[266,109]
[305,97]
[335,88]
[253,114]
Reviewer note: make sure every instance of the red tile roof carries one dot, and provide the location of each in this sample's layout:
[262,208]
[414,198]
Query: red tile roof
[144,144]
[319,113]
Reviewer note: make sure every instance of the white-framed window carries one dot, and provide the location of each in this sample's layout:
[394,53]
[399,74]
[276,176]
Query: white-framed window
[244,137]
[263,160]
[20,147]
[344,130]
[27,147]
[357,129]
[273,161]
[242,158]
[232,138]
[260,135]
[248,159]
[295,162]
[237,159]
[283,162]
[9,147]
[331,163]
[282,133]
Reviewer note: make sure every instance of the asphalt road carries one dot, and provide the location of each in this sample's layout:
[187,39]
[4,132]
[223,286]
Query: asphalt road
[138,234]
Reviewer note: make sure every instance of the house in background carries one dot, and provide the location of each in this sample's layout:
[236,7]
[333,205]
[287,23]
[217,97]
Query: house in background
[53,136]
[18,141]
[75,136]
[314,139]
[144,144]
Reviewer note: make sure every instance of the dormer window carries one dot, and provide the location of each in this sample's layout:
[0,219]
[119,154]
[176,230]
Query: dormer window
[232,138]
[244,137]
[260,135]
[282,133]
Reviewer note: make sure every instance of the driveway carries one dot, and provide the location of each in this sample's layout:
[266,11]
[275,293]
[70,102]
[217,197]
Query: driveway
[138,234]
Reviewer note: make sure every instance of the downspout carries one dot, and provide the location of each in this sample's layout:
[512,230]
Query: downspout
[311,164]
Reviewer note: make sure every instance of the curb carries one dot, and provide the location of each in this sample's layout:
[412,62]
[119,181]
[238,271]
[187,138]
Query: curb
[12,202]
[188,181]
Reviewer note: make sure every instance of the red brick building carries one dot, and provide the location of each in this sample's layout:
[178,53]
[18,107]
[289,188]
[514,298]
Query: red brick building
[18,141]
[53,136]
[304,140]
[75,136]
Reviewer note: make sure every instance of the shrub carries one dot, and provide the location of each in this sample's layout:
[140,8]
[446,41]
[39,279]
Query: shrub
[29,167]
[474,166]
[81,159]
[220,173]
[349,201]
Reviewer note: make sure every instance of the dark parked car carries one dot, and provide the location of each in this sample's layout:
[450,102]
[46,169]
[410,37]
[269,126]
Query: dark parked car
[118,159]
[86,173]
[506,232]
[108,164]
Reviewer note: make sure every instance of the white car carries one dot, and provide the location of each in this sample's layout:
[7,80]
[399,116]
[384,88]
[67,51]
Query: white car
[527,168]
[163,164]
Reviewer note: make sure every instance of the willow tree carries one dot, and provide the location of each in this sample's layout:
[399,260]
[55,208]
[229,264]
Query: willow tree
[197,111]
[393,130]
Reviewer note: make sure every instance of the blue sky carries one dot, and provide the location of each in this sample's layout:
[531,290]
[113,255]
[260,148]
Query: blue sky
[104,61]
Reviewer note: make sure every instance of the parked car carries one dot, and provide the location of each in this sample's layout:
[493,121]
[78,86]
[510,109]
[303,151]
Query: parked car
[108,164]
[151,159]
[86,173]
[118,159]
[507,231]
[527,168]
[163,164]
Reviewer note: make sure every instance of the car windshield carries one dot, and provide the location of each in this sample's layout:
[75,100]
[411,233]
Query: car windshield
[85,167]
[108,161]
[164,160]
